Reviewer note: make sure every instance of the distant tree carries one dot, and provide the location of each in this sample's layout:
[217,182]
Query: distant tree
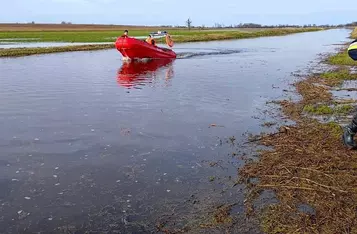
[217,25]
[189,23]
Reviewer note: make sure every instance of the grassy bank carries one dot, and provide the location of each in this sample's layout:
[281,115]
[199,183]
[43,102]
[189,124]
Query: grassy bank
[179,36]
[16,52]
[312,174]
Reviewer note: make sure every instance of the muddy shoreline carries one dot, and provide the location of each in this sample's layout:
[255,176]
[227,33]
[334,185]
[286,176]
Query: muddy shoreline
[306,165]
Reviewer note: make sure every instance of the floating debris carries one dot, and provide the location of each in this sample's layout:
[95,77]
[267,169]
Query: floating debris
[129,195]
[127,201]
[14,180]
[55,176]
[50,219]
[56,168]
[20,211]
[92,130]
[27,198]
[37,139]
[165,174]
[168,190]
[57,184]
[61,193]
[118,181]
[17,172]
[42,164]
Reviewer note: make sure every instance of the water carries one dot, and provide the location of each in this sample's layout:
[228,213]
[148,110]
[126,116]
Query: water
[89,142]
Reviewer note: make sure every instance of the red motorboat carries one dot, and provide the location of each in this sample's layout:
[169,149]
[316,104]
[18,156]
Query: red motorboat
[133,48]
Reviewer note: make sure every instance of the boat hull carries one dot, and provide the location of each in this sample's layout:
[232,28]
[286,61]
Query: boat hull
[136,49]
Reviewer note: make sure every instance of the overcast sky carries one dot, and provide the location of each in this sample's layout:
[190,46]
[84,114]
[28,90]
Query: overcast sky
[174,12]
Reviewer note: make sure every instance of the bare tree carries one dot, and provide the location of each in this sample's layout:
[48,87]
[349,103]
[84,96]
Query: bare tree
[189,23]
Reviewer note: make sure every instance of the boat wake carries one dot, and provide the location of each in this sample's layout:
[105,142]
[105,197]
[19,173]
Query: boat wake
[186,55]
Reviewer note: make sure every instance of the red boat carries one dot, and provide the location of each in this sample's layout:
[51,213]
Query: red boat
[133,48]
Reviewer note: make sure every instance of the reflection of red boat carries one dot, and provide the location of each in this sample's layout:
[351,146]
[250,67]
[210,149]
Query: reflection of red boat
[136,73]
[137,49]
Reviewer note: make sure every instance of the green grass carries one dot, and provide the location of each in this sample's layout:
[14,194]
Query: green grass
[319,109]
[341,58]
[177,35]
[336,78]
[341,74]
[327,110]
[344,109]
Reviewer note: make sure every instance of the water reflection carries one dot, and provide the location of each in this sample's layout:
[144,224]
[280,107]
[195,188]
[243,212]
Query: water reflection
[134,74]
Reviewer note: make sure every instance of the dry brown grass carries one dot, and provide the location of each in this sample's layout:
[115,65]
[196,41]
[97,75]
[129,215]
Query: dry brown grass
[354,33]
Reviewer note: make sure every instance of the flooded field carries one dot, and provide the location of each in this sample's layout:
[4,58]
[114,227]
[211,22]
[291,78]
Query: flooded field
[89,143]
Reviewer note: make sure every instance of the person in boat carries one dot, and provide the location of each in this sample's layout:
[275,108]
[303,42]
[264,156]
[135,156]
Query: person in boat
[151,40]
[125,33]
[351,129]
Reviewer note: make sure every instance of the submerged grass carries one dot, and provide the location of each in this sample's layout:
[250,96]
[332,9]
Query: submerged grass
[312,174]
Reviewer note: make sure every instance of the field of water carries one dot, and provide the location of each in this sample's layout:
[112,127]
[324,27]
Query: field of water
[89,142]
